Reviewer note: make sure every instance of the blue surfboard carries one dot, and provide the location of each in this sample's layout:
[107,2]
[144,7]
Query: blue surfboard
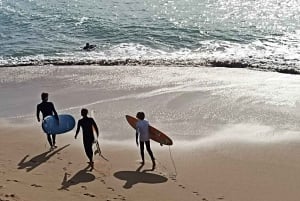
[66,123]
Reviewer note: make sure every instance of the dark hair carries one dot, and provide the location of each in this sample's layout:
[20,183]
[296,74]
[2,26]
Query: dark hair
[84,112]
[44,96]
[140,115]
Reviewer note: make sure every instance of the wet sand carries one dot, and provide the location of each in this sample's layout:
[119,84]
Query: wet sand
[220,152]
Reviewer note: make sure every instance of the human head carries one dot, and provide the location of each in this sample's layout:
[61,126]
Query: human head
[87,44]
[140,115]
[44,96]
[84,112]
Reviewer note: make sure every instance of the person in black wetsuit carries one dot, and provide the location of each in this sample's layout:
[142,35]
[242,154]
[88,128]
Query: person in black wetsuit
[89,47]
[47,109]
[87,124]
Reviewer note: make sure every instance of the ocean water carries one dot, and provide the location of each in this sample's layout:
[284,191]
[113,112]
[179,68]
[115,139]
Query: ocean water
[262,34]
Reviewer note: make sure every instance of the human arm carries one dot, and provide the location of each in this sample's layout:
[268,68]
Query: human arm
[38,113]
[137,138]
[137,134]
[77,130]
[55,113]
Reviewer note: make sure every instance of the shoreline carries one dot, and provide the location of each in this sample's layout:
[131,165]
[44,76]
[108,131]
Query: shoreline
[152,63]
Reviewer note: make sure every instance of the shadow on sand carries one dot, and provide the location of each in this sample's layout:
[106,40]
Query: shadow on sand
[82,176]
[38,160]
[135,177]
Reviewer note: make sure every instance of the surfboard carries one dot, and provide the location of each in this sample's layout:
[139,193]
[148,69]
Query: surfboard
[155,134]
[51,126]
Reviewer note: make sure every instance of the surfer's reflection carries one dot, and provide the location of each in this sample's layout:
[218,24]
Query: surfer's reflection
[38,160]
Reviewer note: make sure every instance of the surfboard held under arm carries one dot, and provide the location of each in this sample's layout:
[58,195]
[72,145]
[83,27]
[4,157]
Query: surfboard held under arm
[155,134]
[51,126]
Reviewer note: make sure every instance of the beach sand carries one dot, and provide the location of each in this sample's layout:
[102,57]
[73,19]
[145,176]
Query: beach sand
[233,141]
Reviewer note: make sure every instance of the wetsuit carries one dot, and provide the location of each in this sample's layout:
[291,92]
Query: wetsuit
[47,109]
[89,47]
[87,124]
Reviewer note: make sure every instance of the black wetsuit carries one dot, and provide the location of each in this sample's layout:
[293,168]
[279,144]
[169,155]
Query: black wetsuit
[47,109]
[87,124]
[89,47]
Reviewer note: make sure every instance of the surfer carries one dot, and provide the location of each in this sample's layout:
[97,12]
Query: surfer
[87,124]
[47,109]
[143,137]
[89,47]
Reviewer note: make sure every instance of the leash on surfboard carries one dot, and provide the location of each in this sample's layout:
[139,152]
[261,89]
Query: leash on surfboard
[173,175]
[173,162]
[98,149]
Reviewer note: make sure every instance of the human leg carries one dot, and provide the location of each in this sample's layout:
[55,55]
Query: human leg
[150,153]
[142,151]
[49,140]
[53,140]
[88,150]
[149,150]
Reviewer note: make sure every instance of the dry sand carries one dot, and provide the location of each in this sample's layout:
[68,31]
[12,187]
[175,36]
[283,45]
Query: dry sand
[30,172]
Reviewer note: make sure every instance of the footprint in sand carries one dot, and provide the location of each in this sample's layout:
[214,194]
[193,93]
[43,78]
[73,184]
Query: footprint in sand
[172,177]
[84,187]
[220,198]
[196,193]
[110,188]
[204,199]
[14,180]
[181,186]
[121,197]
[36,185]
[90,195]
[10,195]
